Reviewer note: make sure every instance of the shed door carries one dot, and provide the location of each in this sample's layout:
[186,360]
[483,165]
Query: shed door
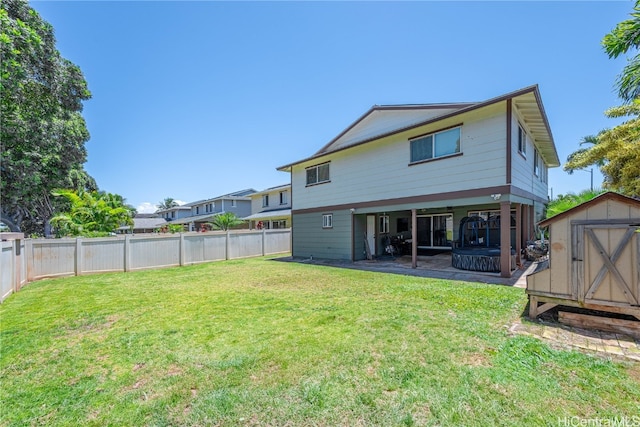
[606,263]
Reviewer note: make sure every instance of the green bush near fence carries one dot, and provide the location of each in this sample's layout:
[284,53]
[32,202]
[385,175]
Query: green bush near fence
[260,342]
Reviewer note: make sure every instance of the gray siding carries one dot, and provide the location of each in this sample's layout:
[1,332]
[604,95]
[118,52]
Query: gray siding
[311,240]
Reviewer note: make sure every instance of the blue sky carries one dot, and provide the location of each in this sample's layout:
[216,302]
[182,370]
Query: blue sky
[192,100]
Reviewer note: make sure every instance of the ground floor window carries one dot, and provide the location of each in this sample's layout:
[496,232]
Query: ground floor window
[327,221]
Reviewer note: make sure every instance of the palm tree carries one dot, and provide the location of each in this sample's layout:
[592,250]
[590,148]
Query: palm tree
[615,151]
[624,37]
[225,221]
[167,203]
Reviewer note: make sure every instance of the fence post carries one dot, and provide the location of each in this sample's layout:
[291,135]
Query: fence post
[226,246]
[127,253]
[14,266]
[264,235]
[78,256]
[28,248]
[181,249]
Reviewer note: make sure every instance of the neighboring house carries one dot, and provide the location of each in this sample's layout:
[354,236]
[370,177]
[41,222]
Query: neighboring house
[271,208]
[202,212]
[414,171]
[175,212]
[143,223]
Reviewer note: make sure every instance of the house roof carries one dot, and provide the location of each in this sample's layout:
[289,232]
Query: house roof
[238,195]
[269,190]
[386,120]
[610,195]
[278,213]
[144,223]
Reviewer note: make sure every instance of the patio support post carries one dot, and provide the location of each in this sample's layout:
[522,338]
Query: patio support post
[505,239]
[414,238]
[518,234]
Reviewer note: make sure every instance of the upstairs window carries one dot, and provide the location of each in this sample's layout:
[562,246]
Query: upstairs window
[522,141]
[318,174]
[283,197]
[536,162]
[265,200]
[438,144]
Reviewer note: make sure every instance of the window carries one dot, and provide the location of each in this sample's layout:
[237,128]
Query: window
[327,221]
[536,162]
[522,141]
[402,224]
[173,214]
[280,223]
[318,174]
[384,223]
[197,210]
[435,145]
[265,200]
[283,197]
[233,203]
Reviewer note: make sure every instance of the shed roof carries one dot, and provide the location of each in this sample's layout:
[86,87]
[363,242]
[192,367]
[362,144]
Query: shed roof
[609,195]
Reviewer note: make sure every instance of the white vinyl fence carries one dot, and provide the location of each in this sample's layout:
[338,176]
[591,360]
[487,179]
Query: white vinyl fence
[27,260]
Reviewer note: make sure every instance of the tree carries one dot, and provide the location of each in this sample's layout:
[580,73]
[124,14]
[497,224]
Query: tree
[623,38]
[91,214]
[167,203]
[565,202]
[42,131]
[225,221]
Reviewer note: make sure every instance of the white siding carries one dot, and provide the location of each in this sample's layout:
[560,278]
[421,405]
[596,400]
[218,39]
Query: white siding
[274,200]
[380,170]
[383,121]
[522,175]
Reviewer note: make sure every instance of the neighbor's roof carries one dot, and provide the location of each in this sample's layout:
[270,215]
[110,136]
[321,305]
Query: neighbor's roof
[386,120]
[144,223]
[238,195]
[279,213]
[270,189]
[609,195]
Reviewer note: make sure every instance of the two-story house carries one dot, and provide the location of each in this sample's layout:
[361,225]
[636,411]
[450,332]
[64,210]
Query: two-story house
[175,213]
[271,208]
[415,171]
[197,214]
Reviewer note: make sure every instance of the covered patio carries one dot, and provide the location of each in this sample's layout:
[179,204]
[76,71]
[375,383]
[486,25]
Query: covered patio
[407,234]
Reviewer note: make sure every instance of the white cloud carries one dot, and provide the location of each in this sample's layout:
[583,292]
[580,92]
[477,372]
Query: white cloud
[147,207]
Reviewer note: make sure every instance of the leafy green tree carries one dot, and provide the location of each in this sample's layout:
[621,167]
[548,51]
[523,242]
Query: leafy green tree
[565,202]
[623,38]
[42,131]
[167,203]
[91,214]
[225,221]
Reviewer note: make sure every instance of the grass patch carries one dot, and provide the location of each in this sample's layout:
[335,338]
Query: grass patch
[258,342]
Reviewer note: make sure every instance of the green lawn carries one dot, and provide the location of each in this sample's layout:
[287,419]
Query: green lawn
[260,342]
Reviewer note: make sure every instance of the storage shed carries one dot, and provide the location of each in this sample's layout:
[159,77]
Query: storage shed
[594,258]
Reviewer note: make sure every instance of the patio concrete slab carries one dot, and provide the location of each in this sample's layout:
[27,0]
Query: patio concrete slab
[435,266]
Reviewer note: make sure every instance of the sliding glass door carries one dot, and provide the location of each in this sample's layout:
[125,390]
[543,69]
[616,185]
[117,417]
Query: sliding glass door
[435,231]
